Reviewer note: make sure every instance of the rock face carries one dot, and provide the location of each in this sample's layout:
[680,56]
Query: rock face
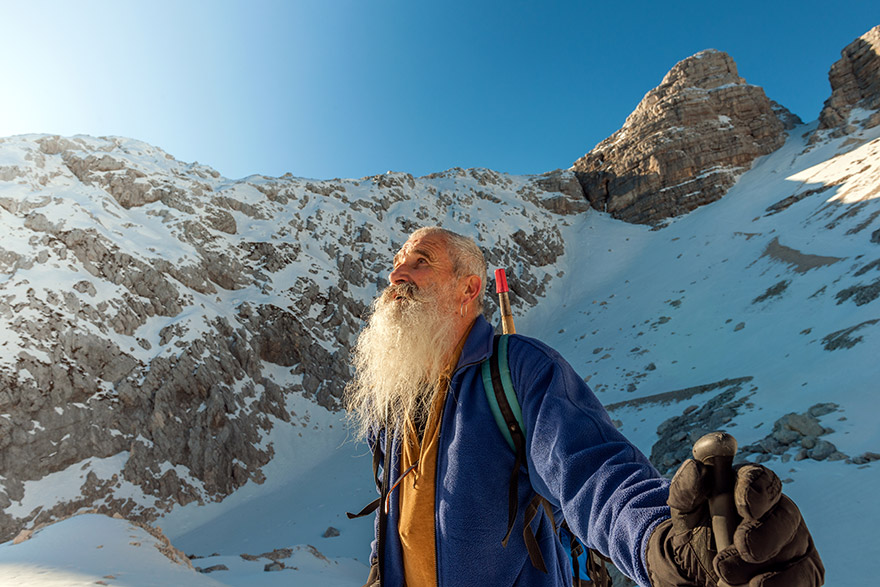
[158,321]
[685,143]
[855,83]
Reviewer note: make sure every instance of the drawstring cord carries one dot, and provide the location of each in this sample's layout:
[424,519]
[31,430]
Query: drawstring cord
[396,483]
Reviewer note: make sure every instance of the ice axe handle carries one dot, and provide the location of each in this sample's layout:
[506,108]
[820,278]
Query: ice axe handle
[716,450]
[504,302]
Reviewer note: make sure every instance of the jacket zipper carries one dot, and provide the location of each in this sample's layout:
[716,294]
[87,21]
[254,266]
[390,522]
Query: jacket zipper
[440,455]
[383,516]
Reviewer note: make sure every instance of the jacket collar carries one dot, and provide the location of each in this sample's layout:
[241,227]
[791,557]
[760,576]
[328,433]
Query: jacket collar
[478,345]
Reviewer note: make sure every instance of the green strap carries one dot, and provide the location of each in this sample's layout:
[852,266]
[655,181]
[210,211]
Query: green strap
[595,563]
[493,403]
[507,385]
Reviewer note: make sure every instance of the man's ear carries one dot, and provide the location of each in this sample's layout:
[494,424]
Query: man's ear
[472,287]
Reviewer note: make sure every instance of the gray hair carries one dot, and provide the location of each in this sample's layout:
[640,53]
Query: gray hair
[467,258]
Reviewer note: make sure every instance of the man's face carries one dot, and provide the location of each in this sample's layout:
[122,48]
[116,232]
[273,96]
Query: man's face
[423,262]
[401,354]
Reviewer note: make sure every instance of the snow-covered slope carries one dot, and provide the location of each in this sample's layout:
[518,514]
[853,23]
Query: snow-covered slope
[95,550]
[175,343]
[771,294]
[759,305]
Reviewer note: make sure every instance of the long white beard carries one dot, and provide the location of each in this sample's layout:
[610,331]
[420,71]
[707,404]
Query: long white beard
[399,358]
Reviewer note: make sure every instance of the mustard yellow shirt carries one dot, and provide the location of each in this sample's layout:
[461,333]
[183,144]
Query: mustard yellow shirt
[418,536]
[416,526]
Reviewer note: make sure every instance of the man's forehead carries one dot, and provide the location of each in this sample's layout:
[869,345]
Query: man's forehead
[430,245]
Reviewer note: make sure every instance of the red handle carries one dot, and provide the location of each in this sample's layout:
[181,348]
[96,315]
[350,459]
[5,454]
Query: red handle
[500,281]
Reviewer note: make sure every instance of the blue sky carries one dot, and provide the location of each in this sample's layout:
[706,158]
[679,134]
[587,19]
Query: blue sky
[348,88]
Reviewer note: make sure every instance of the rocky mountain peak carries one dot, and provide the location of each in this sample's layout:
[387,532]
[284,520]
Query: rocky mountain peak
[685,143]
[707,70]
[855,83]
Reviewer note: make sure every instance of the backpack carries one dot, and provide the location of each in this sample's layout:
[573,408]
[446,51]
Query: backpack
[508,416]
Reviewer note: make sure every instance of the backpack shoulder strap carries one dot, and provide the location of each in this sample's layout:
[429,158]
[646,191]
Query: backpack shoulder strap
[508,415]
[506,410]
[502,398]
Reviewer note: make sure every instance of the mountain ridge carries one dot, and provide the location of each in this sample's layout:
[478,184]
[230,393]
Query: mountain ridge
[146,301]
[175,340]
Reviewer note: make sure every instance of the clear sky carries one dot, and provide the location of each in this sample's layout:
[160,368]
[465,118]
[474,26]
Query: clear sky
[348,88]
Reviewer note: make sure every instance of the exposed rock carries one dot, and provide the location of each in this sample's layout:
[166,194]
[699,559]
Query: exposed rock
[800,262]
[861,294]
[568,196]
[685,143]
[842,339]
[212,568]
[127,187]
[795,198]
[164,546]
[855,83]
[276,555]
[773,291]
[789,119]
[797,435]
[868,457]
[678,434]
[178,312]
[23,536]
[867,267]
[223,221]
[315,553]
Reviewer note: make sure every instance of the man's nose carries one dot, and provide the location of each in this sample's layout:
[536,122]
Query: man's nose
[399,275]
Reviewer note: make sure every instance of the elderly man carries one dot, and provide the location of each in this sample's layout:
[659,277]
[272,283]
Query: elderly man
[418,397]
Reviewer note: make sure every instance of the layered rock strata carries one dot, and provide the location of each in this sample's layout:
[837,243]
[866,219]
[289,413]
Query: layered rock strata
[158,321]
[685,143]
[855,83]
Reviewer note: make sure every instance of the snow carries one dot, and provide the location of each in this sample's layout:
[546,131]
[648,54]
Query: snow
[683,299]
[307,491]
[65,485]
[93,549]
[712,264]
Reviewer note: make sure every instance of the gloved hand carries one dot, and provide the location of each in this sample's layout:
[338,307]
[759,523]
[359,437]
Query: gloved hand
[771,546]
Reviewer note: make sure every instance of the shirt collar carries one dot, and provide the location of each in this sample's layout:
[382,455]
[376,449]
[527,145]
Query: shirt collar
[478,345]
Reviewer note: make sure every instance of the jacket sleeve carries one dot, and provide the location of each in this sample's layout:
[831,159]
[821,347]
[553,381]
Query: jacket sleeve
[609,493]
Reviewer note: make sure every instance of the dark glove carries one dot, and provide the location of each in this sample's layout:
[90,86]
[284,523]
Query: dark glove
[771,546]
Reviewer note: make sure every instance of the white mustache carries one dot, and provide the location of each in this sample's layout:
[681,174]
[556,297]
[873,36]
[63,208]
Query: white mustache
[408,291]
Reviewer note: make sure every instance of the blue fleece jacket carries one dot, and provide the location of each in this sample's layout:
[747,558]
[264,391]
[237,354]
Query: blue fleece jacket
[595,478]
